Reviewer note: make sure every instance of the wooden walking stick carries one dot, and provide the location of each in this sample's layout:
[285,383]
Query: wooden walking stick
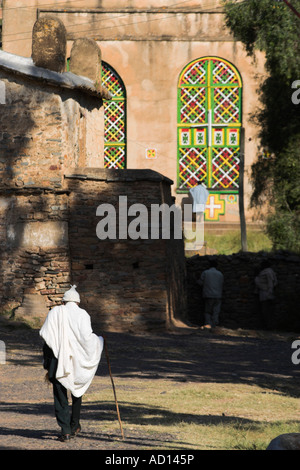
[113,385]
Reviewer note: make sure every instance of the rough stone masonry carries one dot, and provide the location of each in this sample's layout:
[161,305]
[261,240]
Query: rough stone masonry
[240,305]
[52,183]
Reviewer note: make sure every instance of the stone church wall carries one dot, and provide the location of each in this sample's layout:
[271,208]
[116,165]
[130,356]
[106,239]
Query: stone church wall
[43,131]
[125,283]
[49,197]
[49,241]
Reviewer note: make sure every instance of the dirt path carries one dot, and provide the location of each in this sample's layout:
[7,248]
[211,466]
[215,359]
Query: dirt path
[26,408]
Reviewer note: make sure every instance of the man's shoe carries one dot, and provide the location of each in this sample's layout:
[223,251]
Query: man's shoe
[64,437]
[76,431]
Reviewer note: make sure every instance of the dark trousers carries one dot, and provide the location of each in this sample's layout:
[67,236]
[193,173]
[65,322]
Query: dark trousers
[67,423]
[212,310]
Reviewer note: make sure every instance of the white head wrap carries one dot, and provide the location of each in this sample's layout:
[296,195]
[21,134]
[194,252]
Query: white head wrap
[71,295]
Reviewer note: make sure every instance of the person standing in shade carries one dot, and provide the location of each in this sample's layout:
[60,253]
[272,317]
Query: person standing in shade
[72,353]
[265,283]
[212,281]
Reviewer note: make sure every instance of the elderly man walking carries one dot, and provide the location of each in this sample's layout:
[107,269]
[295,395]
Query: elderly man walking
[212,281]
[72,353]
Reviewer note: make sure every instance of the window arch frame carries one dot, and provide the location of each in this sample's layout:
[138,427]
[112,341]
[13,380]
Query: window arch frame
[202,118]
[115,150]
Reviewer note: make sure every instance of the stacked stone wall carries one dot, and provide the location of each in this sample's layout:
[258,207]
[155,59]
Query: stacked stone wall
[240,304]
[34,251]
[126,284]
[45,131]
[49,240]
[50,138]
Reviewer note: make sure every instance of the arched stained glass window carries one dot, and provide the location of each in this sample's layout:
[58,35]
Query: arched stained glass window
[209,123]
[114,119]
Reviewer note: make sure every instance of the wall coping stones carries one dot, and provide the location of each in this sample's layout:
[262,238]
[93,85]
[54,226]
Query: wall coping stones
[30,191]
[49,42]
[111,175]
[24,66]
[85,59]
[93,174]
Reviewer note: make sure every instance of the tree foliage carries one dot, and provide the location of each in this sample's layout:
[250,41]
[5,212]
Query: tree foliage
[270,26]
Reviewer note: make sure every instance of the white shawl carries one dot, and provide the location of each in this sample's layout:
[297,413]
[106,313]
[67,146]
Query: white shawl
[67,331]
[199,194]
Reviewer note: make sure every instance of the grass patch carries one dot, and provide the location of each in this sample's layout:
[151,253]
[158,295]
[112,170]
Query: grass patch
[197,416]
[230,242]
